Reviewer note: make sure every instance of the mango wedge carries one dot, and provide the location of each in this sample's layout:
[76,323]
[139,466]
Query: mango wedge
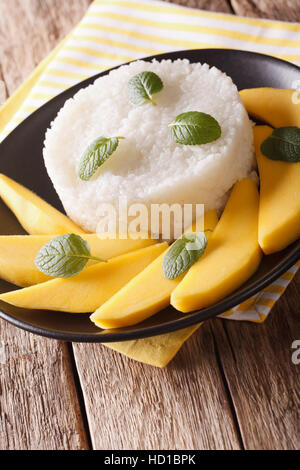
[273,106]
[35,215]
[279,208]
[18,253]
[88,290]
[145,295]
[232,256]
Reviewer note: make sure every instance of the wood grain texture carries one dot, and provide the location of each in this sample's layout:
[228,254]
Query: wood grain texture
[133,406]
[211,5]
[29,30]
[284,10]
[39,407]
[263,381]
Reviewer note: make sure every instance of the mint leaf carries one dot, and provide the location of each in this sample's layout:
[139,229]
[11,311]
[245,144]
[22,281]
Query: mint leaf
[64,256]
[195,128]
[183,254]
[143,86]
[96,154]
[283,144]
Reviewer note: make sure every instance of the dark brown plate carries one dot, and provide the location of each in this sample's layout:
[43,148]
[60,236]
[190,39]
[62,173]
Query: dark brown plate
[21,159]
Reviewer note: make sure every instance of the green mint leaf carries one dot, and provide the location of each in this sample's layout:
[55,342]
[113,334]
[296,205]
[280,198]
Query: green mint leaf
[64,256]
[195,128]
[143,86]
[283,144]
[183,254]
[96,154]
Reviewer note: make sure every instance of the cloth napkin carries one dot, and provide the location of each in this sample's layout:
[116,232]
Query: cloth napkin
[117,31]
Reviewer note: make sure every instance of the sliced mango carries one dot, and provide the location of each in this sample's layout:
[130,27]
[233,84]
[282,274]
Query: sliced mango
[279,208]
[273,106]
[88,290]
[18,253]
[232,256]
[145,295]
[35,215]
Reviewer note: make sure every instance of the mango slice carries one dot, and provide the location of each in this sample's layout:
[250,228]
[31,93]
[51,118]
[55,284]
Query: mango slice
[35,215]
[273,106]
[88,290]
[145,295]
[18,253]
[279,208]
[232,256]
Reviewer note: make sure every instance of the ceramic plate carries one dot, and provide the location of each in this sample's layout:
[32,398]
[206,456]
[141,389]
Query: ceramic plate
[21,159]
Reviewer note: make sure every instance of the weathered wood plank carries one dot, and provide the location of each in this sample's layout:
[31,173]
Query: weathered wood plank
[262,379]
[256,361]
[39,407]
[38,398]
[196,415]
[211,5]
[273,9]
[40,31]
[29,30]
[133,406]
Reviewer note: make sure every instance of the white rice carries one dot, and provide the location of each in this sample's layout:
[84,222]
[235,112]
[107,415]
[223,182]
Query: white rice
[149,167]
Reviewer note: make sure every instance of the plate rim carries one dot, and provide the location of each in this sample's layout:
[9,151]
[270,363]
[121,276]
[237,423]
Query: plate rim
[193,318]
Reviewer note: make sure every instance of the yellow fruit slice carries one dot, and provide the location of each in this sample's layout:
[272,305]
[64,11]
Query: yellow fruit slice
[35,215]
[232,256]
[276,107]
[88,290]
[145,295]
[18,253]
[279,208]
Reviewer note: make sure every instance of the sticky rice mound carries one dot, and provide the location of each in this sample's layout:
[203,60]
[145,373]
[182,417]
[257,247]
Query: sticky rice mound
[149,167]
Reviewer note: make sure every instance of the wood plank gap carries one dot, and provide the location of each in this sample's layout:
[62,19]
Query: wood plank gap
[227,391]
[80,396]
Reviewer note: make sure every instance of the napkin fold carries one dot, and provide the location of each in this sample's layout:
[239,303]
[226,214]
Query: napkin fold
[117,31]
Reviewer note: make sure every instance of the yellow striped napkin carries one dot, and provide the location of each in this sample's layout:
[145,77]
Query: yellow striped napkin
[117,31]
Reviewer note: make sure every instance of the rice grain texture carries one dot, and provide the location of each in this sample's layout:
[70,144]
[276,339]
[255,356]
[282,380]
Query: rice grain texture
[148,166]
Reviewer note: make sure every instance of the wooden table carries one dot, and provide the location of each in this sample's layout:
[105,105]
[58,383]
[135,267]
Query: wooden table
[232,386]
